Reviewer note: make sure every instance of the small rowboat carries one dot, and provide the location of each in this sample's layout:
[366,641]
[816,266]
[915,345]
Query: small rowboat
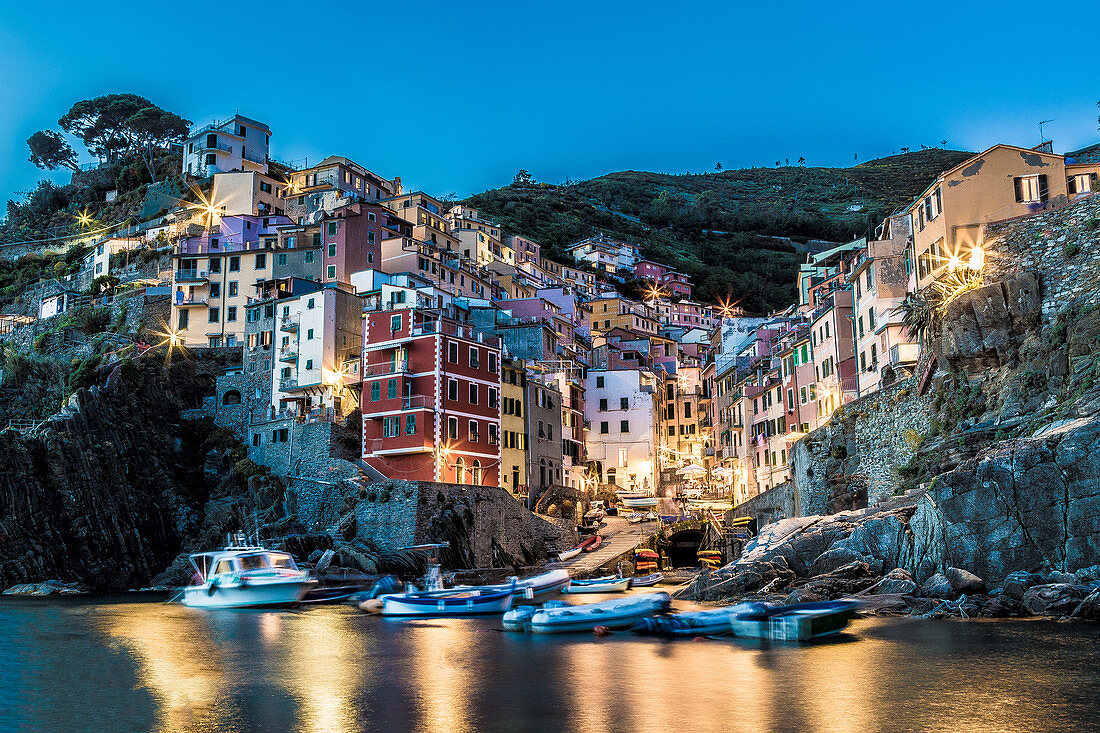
[569,554]
[591,543]
[598,585]
[528,588]
[446,603]
[639,502]
[651,516]
[635,518]
[648,554]
[646,580]
[621,613]
[712,622]
[793,622]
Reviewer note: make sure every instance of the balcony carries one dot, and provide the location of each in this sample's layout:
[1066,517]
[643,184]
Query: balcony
[254,158]
[288,323]
[203,145]
[288,353]
[381,370]
[407,402]
[191,275]
[190,300]
[904,354]
[287,384]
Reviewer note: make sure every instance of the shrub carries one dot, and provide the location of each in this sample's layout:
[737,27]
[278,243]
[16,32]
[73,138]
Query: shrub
[1071,249]
[95,320]
[40,341]
[839,452]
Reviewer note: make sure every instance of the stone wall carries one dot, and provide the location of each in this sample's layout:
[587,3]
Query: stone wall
[778,502]
[853,459]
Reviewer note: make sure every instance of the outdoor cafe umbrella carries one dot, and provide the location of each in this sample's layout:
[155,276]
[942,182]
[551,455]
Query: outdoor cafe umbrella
[691,470]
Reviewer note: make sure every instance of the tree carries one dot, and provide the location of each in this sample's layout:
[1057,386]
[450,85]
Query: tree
[102,123]
[523,178]
[153,129]
[51,151]
[802,160]
[718,167]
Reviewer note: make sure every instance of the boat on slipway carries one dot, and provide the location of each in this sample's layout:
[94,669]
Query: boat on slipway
[245,576]
[558,618]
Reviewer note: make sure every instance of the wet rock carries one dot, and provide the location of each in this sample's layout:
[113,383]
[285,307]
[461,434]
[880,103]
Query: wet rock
[919,606]
[898,581]
[1054,599]
[938,586]
[1089,574]
[1001,606]
[832,559]
[1017,583]
[1057,576]
[802,595]
[964,581]
[1089,608]
[45,588]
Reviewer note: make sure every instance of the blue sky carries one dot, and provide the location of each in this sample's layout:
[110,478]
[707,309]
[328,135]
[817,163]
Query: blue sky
[455,97]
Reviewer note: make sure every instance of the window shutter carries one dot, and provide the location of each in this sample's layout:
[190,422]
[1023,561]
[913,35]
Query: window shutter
[1092,181]
[1071,184]
[1017,184]
[1043,193]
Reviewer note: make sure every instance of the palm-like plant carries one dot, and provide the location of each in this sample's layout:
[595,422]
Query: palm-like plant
[920,314]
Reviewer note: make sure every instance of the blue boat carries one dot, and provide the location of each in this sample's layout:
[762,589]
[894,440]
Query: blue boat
[793,622]
[711,622]
[447,603]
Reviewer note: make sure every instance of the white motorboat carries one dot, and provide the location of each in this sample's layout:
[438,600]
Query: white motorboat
[639,502]
[531,588]
[621,613]
[244,576]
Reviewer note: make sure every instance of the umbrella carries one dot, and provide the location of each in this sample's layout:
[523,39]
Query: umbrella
[691,470]
[723,471]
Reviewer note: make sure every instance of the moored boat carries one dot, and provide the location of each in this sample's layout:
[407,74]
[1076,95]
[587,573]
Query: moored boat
[646,581]
[536,586]
[445,603]
[569,554]
[621,613]
[793,622]
[245,576]
[651,516]
[591,543]
[598,585]
[711,622]
[639,502]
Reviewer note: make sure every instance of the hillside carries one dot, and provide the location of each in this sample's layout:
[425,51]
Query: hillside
[710,225]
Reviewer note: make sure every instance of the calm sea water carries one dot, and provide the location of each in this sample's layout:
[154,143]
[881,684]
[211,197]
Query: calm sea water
[121,665]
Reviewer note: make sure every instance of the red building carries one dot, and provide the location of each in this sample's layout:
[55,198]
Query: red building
[352,239]
[431,398]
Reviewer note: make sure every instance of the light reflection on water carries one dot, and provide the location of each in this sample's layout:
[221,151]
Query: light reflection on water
[104,666]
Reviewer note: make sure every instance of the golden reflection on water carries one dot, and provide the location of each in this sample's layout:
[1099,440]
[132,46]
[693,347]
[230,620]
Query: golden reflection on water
[325,665]
[176,660]
[442,661]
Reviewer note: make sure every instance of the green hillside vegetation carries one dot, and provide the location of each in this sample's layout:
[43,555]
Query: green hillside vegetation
[720,227]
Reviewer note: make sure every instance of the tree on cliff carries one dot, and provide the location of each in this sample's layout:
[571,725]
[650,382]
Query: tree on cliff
[110,126]
[51,151]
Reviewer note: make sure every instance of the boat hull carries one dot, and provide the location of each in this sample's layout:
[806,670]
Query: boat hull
[618,614]
[712,622]
[796,622]
[640,502]
[569,554]
[646,581]
[528,588]
[619,585]
[252,595]
[414,604]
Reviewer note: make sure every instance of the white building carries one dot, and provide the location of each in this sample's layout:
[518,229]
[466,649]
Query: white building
[100,257]
[235,144]
[318,336]
[621,409]
[606,254]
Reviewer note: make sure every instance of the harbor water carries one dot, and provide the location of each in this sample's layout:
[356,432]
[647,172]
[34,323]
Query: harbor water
[124,664]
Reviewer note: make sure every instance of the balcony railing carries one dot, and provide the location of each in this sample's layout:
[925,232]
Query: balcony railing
[183,302]
[288,383]
[381,370]
[201,145]
[904,354]
[192,275]
[288,353]
[288,323]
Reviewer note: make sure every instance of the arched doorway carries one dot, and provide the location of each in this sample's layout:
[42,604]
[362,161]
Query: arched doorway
[475,472]
[232,397]
[681,548]
[460,471]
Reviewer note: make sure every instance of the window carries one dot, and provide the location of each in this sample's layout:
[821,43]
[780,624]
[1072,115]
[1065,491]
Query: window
[473,431]
[231,313]
[375,392]
[493,437]
[261,260]
[624,403]
[452,352]
[624,426]
[473,357]
[395,323]
[391,389]
[452,390]
[473,394]
[410,424]
[234,263]
[233,289]
[282,258]
[309,364]
[214,314]
[309,334]
[332,228]
[1030,189]
[215,265]
[330,273]
[215,290]
[332,249]
[492,362]
[391,426]
[604,428]
[603,404]
[183,320]
[452,428]
[492,401]
[309,256]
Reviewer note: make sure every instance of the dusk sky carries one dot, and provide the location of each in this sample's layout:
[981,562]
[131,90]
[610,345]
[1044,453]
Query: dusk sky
[455,97]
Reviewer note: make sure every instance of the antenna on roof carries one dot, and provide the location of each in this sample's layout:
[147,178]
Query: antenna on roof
[1044,122]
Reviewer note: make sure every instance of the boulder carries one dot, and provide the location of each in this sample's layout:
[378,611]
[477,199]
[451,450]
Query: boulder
[802,595]
[1001,606]
[938,586]
[898,581]
[1089,608]
[1057,576]
[1054,599]
[1089,574]
[964,581]
[1017,583]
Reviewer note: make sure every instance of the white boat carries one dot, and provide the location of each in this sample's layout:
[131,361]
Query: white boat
[793,622]
[640,502]
[569,554]
[635,517]
[531,588]
[446,603]
[621,613]
[652,516]
[597,585]
[241,576]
